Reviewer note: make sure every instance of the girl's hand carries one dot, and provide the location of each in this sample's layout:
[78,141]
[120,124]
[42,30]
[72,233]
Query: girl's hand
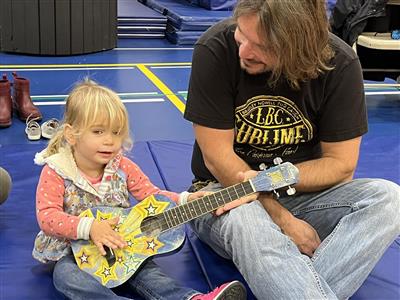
[103,234]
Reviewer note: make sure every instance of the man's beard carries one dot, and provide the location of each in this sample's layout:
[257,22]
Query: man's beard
[261,68]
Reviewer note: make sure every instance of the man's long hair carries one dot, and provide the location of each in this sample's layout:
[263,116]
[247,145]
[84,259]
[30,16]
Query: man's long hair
[297,33]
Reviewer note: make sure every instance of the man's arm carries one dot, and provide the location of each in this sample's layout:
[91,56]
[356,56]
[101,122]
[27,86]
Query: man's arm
[336,165]
[219,157]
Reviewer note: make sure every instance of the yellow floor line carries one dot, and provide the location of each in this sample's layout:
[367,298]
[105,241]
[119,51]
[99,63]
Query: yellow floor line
[162,87]
[93,65]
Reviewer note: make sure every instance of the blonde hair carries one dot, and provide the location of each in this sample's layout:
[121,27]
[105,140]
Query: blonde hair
[88,103]
[297,33]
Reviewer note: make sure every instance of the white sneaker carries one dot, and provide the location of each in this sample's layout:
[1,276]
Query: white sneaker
[49,128]
[32,129]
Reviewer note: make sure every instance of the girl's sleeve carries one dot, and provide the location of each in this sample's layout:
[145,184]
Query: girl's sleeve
[50,214]
[139,184]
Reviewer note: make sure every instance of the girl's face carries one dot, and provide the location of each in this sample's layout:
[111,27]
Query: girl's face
[95,147]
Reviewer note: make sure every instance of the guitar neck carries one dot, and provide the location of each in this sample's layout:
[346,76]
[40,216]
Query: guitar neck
[181,214]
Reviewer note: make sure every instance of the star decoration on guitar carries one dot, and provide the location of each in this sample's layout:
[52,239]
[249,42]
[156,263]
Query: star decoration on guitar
[103,216]
[151,210]
[130,243]
[151,206]
[117,228]
[87,213]
[86,256]
[119,259]
[151,245]
[106,273]
[133,245]
[132,264]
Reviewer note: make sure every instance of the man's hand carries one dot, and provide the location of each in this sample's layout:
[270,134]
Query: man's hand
[300,232]
[303,235]
[242,176]
[103,234]
[197,195]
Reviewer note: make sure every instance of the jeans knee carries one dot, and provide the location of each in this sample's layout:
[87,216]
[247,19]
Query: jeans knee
[387,193]
[63,276]
[236,218]
[246,219]
[392,191]
[58,279]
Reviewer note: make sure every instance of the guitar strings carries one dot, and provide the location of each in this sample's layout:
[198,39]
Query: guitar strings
[163,222]
[257,180]
[236,195]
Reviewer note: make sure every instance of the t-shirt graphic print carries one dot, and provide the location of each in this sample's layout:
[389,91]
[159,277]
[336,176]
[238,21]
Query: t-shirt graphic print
[270,126]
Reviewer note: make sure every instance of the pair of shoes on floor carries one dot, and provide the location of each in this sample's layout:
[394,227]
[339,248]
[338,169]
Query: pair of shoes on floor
[233,290]
[20,101]
[34,131]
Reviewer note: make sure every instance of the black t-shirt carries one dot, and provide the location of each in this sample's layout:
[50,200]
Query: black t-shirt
[271,122]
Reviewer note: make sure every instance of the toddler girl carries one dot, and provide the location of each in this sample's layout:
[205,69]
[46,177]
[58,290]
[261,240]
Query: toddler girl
[84,167]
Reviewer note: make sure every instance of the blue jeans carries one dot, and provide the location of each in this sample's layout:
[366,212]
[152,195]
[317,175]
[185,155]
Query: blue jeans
[356,222]
[149,282]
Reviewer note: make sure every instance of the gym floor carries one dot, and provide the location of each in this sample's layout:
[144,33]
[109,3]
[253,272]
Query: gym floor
[151,76]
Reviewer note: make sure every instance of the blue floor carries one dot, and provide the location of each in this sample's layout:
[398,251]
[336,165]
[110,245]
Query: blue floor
[163,142]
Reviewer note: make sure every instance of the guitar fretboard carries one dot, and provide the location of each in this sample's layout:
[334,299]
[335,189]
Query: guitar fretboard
[181,214]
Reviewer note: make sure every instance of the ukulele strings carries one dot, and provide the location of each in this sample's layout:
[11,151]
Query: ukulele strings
[163,222]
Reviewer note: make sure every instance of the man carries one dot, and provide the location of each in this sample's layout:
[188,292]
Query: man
[273,82]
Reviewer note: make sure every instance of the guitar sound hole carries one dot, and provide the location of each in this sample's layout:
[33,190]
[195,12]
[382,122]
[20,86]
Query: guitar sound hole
[151,226]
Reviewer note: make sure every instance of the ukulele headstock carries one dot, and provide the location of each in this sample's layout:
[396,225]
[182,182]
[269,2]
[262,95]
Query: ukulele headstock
[276,177]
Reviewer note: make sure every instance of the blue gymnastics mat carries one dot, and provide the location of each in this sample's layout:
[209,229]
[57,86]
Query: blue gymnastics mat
[136,20]
[182,37]
[128,33]
[185,16]
[135,12]
[145,29]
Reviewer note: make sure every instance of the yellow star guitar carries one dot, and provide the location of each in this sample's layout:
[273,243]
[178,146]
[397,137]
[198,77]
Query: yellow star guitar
[155,225]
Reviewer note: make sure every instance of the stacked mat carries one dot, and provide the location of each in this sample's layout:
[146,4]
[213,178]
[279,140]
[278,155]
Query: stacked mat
[215,4]
[181,21]
[136,20]
[186,20]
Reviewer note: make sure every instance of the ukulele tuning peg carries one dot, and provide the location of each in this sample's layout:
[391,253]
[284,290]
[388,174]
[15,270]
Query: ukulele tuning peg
[291,191]
[262,166]
[278,160]
[276,194]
